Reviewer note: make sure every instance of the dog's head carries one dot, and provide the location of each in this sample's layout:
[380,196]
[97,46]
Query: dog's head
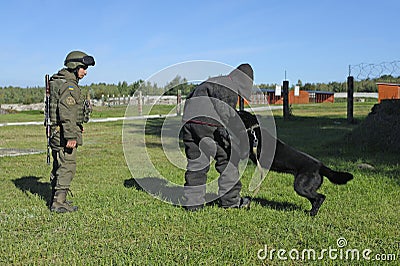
[261,141]
[249,120]
[252,126]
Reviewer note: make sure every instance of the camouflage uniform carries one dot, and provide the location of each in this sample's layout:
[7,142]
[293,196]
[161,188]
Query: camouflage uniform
[68,127]
[67,114]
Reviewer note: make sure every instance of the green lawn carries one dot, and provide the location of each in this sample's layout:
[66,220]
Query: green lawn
[120,224]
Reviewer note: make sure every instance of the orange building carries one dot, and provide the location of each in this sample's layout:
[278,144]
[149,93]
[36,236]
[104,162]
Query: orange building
[388,91]
[322,97]
[303,97]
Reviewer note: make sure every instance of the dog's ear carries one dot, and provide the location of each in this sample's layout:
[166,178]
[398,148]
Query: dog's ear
[254,119]
[244,115]
[248,119]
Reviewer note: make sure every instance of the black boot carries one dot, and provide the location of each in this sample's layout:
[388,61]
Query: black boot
[244,203]
[59,204]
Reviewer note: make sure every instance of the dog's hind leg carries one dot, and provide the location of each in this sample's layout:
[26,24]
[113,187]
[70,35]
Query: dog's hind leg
[306,185]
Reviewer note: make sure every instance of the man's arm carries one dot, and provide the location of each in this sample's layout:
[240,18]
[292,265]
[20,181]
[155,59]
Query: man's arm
[68,111]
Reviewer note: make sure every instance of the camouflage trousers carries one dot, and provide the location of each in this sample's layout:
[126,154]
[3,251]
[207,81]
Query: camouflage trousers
[64,168]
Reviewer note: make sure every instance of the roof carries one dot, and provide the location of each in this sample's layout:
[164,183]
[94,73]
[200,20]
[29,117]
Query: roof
[321,92]
[266,90]
[386,83]
[318,92]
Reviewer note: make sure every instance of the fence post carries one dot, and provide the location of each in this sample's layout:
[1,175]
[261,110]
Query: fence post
[241,103]
[350,99]
[286,113]
[179,103]
[140,107]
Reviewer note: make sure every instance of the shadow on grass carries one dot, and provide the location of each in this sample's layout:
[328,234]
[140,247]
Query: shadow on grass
[155,126]
[31,184]
[393,174]
[279,206]
[312,134]
[157,187]
[162,189]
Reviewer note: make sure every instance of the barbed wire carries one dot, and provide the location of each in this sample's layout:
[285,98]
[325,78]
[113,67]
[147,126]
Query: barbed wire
[374,71]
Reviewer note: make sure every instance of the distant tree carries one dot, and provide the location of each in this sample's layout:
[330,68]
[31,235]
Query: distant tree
[266,86]
[178,83]
[337,86]
[11,94]
[299,83]
[308,87]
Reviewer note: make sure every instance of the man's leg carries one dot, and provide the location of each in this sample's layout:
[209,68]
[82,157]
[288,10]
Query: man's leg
[229,182]
[199,146]
[195,177]
[64,173]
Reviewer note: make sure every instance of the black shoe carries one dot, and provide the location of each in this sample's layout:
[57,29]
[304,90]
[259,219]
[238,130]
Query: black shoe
[245,203]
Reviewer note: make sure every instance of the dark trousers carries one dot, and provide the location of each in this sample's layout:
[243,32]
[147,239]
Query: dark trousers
[201,142]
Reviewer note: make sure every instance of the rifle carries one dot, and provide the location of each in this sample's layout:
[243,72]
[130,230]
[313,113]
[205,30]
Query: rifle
[87,108]
[47,122]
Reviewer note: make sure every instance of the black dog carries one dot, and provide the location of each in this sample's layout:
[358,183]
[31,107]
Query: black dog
[308,171]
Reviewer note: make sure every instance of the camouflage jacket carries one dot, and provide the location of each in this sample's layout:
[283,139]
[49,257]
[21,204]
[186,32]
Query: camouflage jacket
[70,106]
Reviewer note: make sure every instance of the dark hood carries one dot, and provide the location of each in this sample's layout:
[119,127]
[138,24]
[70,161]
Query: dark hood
[243,77]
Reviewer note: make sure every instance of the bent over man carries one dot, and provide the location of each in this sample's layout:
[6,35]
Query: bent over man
[68,111]
[209,117]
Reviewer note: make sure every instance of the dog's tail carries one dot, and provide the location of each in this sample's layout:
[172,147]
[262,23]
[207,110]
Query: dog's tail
[339,178]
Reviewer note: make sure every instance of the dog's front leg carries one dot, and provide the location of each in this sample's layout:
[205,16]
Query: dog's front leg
[316,204]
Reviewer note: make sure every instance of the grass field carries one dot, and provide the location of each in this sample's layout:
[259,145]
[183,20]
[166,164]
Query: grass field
[120,224]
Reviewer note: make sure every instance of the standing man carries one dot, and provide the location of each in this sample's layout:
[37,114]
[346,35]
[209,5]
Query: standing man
[210,118]
[68,111]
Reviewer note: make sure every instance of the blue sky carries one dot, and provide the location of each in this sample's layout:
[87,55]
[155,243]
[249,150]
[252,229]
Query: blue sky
[314,41]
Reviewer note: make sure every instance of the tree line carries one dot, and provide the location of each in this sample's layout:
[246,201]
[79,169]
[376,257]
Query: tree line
[10,94]
[367,85]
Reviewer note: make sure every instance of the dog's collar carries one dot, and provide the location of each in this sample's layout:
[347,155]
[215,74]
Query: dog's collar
[253,127]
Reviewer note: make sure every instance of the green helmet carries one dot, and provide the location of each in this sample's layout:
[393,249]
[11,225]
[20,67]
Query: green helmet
[77,58]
